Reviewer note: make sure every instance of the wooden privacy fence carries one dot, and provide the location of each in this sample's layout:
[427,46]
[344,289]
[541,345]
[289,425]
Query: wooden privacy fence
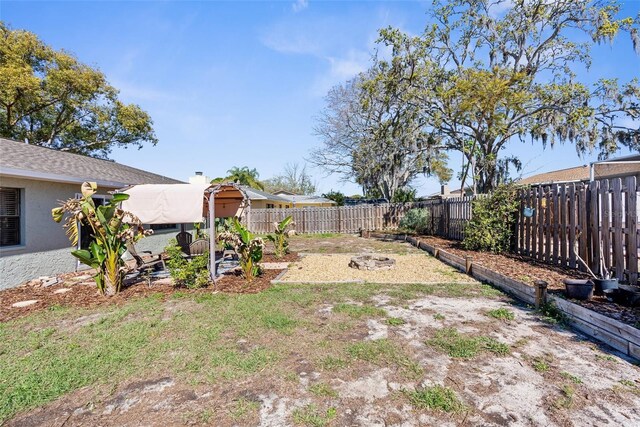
[447,217]
[600,218]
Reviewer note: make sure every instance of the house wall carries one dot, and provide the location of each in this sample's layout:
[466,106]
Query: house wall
[262,204]
[45,249]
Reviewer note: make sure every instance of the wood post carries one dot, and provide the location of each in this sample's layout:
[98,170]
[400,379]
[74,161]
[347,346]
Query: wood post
[541,293]
[468,261]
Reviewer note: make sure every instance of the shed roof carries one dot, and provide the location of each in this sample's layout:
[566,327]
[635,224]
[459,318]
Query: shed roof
[24,160]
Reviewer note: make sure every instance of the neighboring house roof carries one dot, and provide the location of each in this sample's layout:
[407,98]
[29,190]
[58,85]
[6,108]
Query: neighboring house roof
[579,173]
[613,168]
[296,198]
[255,194]
[283,196]
[24,160]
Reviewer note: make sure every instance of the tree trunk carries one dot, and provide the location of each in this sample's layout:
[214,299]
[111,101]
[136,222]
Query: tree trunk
[112,275]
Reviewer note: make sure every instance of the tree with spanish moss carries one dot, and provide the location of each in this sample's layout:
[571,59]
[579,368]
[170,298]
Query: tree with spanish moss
[372,136]
[488,72]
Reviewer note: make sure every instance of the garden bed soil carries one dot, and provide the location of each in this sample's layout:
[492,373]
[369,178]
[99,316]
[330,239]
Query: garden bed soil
[527,270]
[84,293]
[270,257]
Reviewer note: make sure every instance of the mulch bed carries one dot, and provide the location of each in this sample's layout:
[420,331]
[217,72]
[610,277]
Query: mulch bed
[85,294]
[270,257]
[527,270]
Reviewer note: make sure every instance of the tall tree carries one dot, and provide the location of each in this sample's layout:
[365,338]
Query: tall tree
[243,176]
[485,76]
[51,99]
[370,135]
[294,179]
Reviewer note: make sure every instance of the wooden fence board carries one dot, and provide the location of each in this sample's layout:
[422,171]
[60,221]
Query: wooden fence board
[633,245]
[563,225]
[572,225]
[605,235]
[618,247]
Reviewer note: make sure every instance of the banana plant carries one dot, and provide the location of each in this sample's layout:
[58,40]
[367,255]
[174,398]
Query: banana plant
[248,247]
[280,237]
[111,230]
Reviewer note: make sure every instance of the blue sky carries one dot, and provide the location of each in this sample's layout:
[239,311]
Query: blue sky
[239,83]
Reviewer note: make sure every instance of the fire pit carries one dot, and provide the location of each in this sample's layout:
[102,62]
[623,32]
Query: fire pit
[372,262]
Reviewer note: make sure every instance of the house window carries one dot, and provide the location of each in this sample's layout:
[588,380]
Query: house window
[9,216]
[270,206]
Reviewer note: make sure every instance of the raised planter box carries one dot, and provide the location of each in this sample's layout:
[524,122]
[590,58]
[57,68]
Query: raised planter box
[616,334]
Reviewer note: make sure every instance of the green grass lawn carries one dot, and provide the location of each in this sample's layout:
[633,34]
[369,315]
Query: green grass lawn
[193,337]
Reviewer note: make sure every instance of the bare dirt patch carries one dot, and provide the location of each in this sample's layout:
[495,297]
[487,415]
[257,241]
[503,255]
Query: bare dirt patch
[414,268]
[331,374]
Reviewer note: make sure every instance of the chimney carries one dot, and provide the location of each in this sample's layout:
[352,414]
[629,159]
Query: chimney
[199,178]
[444,190]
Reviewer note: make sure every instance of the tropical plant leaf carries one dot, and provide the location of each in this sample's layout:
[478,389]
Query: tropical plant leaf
[86,257]
[97,251]
[119,197]
[57,214]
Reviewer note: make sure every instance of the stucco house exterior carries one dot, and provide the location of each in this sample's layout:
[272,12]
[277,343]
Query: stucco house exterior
[33,180]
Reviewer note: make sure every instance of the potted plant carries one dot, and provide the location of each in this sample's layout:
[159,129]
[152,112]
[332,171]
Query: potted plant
[603,281]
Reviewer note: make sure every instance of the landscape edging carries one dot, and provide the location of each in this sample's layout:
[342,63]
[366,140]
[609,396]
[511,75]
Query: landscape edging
[612,332]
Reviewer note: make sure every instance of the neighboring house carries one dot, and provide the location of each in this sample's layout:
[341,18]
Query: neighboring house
[621,167]
[446,193]
[33,180]
[261,199]
[301,201]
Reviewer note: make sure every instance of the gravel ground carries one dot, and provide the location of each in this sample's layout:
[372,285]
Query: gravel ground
[418,268]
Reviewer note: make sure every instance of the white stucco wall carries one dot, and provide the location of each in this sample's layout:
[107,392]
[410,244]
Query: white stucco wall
[45,249]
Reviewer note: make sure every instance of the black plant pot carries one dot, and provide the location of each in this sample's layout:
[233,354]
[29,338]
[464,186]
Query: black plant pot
[601,285]
[578,289]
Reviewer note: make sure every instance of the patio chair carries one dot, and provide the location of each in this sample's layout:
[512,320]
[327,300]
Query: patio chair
[184,240]
[156,263]
[198,247]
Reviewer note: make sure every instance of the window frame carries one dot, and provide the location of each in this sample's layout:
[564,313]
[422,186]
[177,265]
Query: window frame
[20,217]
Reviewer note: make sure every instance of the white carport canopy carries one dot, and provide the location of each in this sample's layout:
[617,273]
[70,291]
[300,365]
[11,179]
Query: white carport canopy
[186,203]
[166,203]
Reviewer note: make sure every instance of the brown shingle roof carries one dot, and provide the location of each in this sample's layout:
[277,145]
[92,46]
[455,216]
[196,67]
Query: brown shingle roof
[614,168]
[579,173]
[21,159]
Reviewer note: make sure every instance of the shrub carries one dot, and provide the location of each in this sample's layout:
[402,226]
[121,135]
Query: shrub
[416,220]
[194,274]
[280,237]
[491,227]
[248,247]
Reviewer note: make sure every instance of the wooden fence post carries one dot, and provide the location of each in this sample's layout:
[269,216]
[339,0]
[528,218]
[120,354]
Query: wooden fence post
[541,293]
[468,261]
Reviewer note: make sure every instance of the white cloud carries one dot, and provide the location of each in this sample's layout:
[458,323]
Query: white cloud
[298,43]
[299,5]
[340,70]
[137,92]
